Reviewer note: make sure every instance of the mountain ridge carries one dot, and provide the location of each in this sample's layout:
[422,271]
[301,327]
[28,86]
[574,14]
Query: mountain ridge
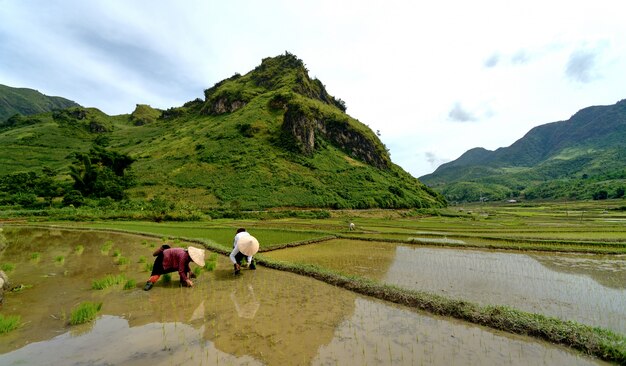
[589,144]
[26,102]
[273,137]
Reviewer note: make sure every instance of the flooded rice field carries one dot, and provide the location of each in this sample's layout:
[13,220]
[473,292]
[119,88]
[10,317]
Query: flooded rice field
[590,289]
[260,317]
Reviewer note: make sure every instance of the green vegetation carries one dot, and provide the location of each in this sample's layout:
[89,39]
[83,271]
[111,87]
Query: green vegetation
[578,159]
[107,281]
[26,102]
[9,323]
[211,262]
[130,284]
[106,247]
[35,257]
[272,138]
[59,259]
[79,249]
[7,267]
[84,312]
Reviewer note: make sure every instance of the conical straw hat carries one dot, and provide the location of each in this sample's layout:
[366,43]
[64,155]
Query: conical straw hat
[197,255]
[248,245]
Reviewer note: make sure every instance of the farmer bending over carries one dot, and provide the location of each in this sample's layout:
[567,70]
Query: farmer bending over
[174,260]
[244,245]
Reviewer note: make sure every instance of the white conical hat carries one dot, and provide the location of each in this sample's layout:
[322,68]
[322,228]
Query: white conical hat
[197,255]
[248,245]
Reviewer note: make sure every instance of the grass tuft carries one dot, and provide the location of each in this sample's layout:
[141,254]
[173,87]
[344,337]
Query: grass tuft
[79,249]
[9,323]
[84,312]
[7,267]
[130,284]
[107,281]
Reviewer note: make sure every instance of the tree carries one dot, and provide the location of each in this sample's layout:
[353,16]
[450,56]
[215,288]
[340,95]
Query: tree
[102,173]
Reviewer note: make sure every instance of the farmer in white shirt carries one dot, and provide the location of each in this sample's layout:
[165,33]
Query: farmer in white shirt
[244,245]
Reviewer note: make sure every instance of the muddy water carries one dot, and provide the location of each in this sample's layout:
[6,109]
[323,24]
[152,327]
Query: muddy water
[260,317]
[590,289]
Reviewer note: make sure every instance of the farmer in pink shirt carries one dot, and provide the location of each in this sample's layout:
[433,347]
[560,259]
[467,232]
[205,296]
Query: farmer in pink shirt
[174,260]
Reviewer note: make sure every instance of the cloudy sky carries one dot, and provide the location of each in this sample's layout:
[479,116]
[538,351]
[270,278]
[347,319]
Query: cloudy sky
[434,78]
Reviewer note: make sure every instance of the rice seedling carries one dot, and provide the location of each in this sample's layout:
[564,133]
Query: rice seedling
[84,312]
[197,271]
[35,257]
[122,260]
[130,284]
[106,247]
[117,253]
[211,262]
[147,267]
[142,259]
[107,281]
[7,267]
[9,323]
[79,249]
[167,278]
[59,259]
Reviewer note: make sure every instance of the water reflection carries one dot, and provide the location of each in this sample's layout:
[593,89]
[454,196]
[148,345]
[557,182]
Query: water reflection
[568,286]
[263,317]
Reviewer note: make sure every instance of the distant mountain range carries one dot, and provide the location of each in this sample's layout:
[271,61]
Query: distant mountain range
[27,102]
[583,157]
[270,138]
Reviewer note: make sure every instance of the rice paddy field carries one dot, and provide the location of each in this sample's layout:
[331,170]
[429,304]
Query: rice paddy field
[539,284]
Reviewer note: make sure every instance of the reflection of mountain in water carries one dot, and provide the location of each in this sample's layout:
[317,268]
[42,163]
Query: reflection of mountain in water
[608,271]
[283,318]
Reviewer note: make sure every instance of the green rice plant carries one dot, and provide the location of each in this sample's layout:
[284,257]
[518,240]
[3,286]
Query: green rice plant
[130,284]
[35,257]
[7,267]
[117,253]
[197,271]
[122,260]
[107,281]
[144,243]
[84,312]
[104,249]
[167,278]
[59,259]
[9,323]
[152,244]
[142,259]
[211,262]
[147,267]
[79,249]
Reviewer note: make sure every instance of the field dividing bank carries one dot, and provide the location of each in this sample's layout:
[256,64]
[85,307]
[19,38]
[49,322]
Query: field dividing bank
[461,241]
[220,235]
[594,341]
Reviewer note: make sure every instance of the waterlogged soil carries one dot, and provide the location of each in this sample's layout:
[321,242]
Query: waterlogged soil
[590,289]
[260,317]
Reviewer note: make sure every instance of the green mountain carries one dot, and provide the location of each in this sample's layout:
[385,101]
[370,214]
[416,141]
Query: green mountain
[27,102]
[582,157]
[273,137]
